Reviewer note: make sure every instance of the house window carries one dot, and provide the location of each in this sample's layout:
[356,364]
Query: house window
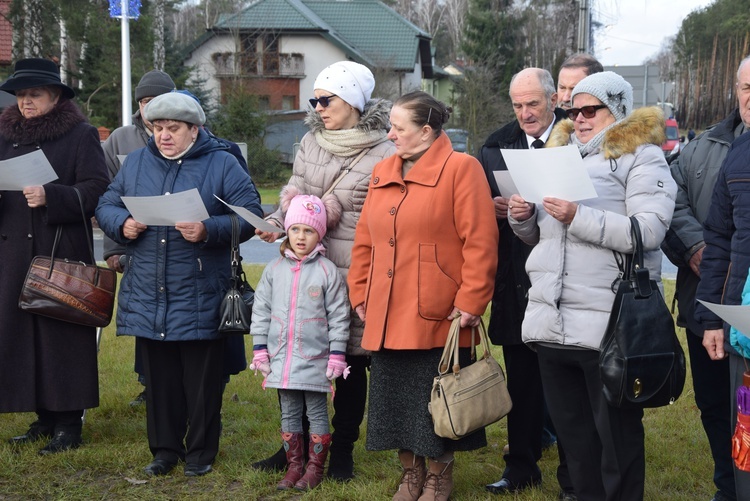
[260,54]
[287,103]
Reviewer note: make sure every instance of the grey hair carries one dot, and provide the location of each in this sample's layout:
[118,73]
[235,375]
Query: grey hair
[745,61]
[589,63]
[545,80]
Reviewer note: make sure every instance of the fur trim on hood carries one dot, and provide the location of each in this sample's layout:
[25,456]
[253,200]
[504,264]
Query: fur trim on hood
[375,117]
[57,122]
[643,126]
[330,201]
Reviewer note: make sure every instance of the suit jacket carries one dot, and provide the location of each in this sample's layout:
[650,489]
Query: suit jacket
[511,282]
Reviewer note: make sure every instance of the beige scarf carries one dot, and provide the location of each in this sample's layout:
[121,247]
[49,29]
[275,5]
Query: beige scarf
[349,142]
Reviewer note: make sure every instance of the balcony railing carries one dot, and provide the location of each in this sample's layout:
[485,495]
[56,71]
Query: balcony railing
[231,64]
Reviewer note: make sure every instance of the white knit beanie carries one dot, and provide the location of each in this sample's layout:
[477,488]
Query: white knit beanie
[351,81]
[609,88]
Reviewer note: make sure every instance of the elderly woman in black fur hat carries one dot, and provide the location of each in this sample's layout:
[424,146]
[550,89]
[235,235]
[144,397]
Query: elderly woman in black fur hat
[47,366]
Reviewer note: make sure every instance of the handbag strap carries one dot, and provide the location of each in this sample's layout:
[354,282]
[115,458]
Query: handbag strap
[58,235]
[449,359]
[236,258]
[639,274]
[346,171]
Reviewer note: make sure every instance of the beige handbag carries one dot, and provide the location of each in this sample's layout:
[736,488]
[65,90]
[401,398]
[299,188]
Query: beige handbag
[469,398]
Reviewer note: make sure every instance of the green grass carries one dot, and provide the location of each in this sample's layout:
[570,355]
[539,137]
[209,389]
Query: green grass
[269,195]
[110,463]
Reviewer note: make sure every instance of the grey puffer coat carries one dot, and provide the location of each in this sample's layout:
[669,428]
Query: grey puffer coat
[315,170]
[572,267]
[301,312]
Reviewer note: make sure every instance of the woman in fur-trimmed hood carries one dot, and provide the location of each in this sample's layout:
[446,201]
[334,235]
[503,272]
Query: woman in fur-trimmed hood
[572,268]
[47,366]
[347,138]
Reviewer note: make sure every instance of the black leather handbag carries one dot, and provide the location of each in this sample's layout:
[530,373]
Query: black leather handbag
[641,361]
[236,308]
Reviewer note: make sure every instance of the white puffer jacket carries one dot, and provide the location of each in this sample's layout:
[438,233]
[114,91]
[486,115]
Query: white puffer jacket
[572,267]
[315,170]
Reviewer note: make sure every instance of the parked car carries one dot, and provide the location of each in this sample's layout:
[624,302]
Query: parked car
[672,144]
[459,138]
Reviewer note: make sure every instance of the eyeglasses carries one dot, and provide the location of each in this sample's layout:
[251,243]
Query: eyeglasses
[586,111]
[323,100]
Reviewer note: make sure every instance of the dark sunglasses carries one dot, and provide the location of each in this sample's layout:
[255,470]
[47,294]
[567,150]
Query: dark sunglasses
[586,111]
[323,100]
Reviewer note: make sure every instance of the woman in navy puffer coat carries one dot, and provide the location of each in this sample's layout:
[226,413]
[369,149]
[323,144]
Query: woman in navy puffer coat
[175,278]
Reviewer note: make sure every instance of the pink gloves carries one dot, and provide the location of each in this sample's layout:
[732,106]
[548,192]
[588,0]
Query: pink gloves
[336,367]
[261,362]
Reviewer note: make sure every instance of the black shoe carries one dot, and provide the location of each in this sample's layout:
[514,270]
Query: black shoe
[139,400]
[505,486]
[36,432]
[62,441]
[341,466]
[197,470]
[159,467]
[720,496]
[277,462]
[567,496]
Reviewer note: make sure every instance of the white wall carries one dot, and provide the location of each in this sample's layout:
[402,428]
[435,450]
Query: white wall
[203,65]
[318,52]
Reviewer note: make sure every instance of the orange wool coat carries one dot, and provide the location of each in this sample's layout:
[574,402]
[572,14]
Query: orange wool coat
[423,244]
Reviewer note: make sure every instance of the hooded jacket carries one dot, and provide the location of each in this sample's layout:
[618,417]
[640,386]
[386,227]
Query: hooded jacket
[316,169]
[172,288]
[572,268]
[301,313]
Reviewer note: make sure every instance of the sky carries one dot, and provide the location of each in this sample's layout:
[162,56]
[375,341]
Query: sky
[635,29]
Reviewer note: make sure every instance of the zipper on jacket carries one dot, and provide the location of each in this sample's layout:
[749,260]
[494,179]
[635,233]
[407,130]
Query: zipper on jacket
[290,328]
[200,264]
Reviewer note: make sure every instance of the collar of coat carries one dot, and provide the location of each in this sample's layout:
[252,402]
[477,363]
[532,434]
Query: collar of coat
[376,116]
[57,122]
[643,126]
[511,132]
[426,170]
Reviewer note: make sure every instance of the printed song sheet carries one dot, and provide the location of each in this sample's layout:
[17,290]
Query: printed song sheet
[167,210]
[32,169]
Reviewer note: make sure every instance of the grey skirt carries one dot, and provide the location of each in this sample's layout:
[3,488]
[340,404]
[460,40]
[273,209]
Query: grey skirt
[397,418]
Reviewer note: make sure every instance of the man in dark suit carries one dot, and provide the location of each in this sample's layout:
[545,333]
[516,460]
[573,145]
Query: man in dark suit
[534,99]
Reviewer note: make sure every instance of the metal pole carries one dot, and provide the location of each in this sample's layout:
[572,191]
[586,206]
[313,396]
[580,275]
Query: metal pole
[127,105]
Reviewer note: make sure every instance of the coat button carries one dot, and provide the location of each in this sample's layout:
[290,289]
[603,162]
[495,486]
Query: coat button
[4,237]
[161,288]
[393,211]
[391,242]
[163,241]
[28,236]
[390,273]
[376,180]
[162,335]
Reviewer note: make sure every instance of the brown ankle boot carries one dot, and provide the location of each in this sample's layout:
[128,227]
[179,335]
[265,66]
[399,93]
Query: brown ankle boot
[316,460]
[295,454]
[439,482]
[412,478]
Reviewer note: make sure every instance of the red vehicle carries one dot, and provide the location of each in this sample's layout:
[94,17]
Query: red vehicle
[673,137]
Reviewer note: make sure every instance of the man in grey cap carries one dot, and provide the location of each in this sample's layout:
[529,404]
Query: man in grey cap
[122,141]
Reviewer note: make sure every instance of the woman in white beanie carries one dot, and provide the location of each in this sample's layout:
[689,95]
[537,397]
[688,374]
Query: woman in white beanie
[570,302]
[348,136]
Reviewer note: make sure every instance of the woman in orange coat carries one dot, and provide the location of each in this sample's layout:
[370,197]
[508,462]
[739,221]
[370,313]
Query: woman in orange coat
[424,253]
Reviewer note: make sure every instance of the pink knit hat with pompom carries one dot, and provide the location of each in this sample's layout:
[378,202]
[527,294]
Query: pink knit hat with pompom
[310,210]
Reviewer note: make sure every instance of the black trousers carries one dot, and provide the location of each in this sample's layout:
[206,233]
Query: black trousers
[604,446]
[710,378]
[183,402]
[67,421]
[349,405]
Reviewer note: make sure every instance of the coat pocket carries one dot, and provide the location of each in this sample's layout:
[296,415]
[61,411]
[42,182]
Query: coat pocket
[437,291]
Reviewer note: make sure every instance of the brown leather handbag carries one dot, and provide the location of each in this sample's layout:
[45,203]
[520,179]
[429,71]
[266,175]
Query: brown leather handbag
[72,291]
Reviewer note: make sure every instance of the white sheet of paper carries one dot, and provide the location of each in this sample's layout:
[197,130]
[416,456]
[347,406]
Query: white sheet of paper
[257,222]
[738,316]
[121,159]
[505,183]
[32,169]
[549,172]
[167,210]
